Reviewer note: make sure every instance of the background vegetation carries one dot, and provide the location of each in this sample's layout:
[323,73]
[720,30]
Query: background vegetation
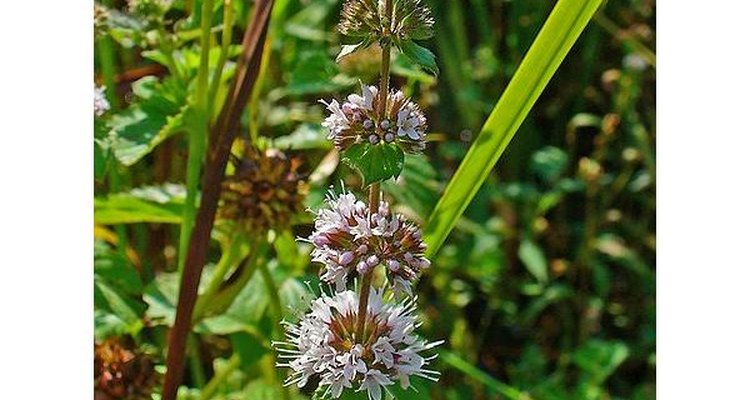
[545,289]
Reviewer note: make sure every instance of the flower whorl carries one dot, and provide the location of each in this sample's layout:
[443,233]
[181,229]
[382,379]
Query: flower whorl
[356,120]
[324,344]
[349,237]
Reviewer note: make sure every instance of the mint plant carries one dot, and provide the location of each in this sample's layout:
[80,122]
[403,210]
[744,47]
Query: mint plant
[362,337]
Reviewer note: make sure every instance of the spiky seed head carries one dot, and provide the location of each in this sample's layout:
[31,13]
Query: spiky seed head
[121,371]
[265,192]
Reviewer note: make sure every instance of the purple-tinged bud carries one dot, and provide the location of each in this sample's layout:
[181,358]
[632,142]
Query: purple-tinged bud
[424,263]
[385,124]
[362,249]
[393,265]
[346,258]
[320,241]
[362,267]
[372,260]
[374,139]
[389,137]
[408,257]
[368,124]
[347,108]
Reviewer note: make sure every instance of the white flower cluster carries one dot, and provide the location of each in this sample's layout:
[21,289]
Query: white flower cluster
[356,121]
[101,105]
[323,345]
[349,237]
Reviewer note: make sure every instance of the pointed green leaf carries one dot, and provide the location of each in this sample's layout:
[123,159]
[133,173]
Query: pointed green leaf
[533,259]
[375,162]
[420,55]
[351,48]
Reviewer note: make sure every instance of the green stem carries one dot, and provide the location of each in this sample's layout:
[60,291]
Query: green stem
[385,67]
[232,287]
[276,310]
[198,132]
[231,257]
[257,90]
[226,41]
[196,368]
[219,378]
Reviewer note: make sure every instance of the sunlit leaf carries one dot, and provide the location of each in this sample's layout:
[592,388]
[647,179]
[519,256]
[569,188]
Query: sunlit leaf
[564,25]
[375,162]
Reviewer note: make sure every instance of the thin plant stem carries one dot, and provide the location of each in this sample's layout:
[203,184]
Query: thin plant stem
[229,258]
[226,41]
[213,385]
[197,136]
[196,368]
[273,293]
[385,67]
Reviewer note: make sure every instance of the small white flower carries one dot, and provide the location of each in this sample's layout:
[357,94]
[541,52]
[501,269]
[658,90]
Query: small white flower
[101,105]
[407,125]
[374,382]
[365,101]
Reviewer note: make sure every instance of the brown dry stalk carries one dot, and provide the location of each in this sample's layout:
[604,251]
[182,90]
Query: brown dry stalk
[223,133]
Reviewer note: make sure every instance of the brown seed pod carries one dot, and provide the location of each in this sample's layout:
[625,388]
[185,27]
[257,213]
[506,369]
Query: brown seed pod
[265,192]
[121,371]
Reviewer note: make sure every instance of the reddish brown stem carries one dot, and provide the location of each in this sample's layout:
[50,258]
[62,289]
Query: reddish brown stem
[223,133]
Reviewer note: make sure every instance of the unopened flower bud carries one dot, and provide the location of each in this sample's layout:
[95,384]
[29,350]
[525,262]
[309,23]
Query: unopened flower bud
[372,260]
[346,258]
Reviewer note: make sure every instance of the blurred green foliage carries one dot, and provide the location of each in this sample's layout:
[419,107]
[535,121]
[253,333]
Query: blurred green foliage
[545,289]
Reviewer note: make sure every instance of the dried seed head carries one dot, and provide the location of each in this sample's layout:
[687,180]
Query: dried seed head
[265,192]
[357,121]
[348,238]
[122,372]
[323,345]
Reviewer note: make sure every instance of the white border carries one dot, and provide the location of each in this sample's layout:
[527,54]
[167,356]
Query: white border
[46,200]
[703,334]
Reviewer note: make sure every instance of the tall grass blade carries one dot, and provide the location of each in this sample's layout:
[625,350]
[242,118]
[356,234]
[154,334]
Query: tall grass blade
[564,25]
[477,374]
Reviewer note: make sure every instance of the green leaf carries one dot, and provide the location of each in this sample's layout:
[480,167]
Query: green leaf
[375,162]
[420,55]
[564,25]
[315,72]
[477,374]
[249,348]
[533,259]
[144,125]
[549,163]
[151,204]
[600,358]
[348,49]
